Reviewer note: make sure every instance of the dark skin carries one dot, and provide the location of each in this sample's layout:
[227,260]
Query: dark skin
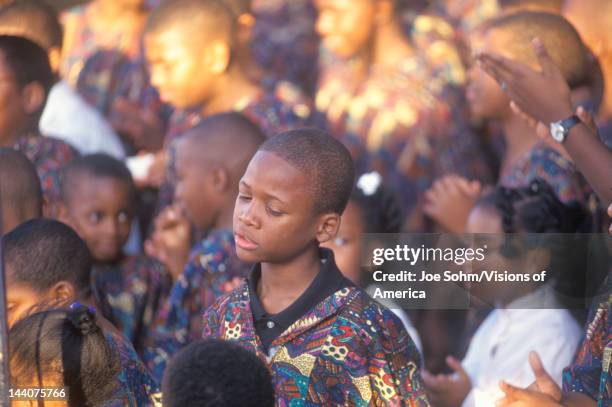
[205,191]
[101,210]
[275,224]
[544,97]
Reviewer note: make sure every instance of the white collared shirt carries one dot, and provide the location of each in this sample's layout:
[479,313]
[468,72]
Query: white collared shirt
[500,347]
[69,118]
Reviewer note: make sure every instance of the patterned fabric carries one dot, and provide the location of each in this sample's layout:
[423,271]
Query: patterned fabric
[48,155]
[285,42]
[591,372]
[135,290]
[104,66]
[135,383]
[348,350]
[466,14]
[210,273]
[548,164]
[82,40]
[442,46]
[409,125]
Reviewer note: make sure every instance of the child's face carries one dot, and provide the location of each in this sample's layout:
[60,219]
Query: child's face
[14,104]
[20,299]
[348,244]
[486,223]
[486,98]
[274,217]
[179,67]
[194,190]
[346,26]
[101,211]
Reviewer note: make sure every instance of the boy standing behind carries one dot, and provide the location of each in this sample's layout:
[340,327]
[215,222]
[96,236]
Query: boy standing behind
[325,341]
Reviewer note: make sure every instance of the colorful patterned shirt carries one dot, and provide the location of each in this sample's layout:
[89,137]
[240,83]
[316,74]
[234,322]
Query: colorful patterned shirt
[134,289]
[49,155]
[408,124]
[135,383]
[347,350]
[591,372]
[546,163]
[211,272]
[285,42]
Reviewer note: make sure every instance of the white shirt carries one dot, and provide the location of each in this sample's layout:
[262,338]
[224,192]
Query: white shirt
[69,118]
[500,348]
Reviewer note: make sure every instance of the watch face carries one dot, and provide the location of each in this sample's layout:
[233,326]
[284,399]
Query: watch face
[557,132]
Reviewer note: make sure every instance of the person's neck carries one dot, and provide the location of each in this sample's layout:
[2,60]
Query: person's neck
[226,217]
[231,87]
[9,140]
[390,46]
[118,14]
[520,138]
[281,284]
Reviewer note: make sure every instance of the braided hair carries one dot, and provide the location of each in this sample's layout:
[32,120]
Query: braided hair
[533,217]
[67,348]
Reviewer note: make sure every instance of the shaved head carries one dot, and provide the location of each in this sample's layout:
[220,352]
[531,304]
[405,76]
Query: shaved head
[201,19]
[513,34]
[228,139]
[20,190]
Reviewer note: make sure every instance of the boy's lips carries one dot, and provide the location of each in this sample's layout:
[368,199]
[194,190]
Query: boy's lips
[244,242]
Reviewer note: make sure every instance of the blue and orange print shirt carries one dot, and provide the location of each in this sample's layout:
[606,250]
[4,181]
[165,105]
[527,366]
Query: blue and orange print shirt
[346,350]
[213,270]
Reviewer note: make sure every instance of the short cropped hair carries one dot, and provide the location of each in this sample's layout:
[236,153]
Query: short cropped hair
[326,162]
[204,18]
[544,4]
[20,189]
[34,20]
[560,38]
[27,62]
[43,252]
[95,165]
[216,373]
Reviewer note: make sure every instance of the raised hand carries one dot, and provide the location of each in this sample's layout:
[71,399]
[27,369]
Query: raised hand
[450,200]
[545,96]
[448,390]
[171,240]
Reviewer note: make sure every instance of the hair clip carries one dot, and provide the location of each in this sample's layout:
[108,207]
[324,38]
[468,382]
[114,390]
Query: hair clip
[369,183]
[74,305]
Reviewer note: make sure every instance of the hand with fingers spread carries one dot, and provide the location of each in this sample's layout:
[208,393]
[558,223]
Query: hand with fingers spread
[448,390]
[544,96]
[543,390]
[171,240]
[450,200]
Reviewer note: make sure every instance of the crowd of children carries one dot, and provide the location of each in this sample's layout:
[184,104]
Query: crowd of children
[189,190]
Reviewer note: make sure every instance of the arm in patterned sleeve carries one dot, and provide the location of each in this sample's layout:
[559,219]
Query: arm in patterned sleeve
[402,365]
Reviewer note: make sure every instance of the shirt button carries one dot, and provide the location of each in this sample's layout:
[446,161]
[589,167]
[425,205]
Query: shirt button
[270,324]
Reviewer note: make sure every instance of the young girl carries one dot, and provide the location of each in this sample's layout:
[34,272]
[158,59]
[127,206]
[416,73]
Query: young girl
[526,230]
[64,349]
[372,208]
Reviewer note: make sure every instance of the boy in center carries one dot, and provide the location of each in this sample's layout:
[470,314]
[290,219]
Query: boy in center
[325,341]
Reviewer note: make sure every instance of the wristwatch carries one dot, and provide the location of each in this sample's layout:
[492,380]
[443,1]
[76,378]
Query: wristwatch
[560,129]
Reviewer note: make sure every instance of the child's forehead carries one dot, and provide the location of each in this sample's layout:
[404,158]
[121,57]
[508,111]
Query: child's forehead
[268,171]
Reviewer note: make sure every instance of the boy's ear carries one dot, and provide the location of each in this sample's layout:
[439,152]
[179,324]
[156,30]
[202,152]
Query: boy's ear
[329,224]
[246,22]
[55,57]
[220,179]
[33,96]
[63,291]
[218,56]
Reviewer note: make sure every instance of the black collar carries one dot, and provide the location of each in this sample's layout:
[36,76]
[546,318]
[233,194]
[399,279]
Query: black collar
[327,282]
